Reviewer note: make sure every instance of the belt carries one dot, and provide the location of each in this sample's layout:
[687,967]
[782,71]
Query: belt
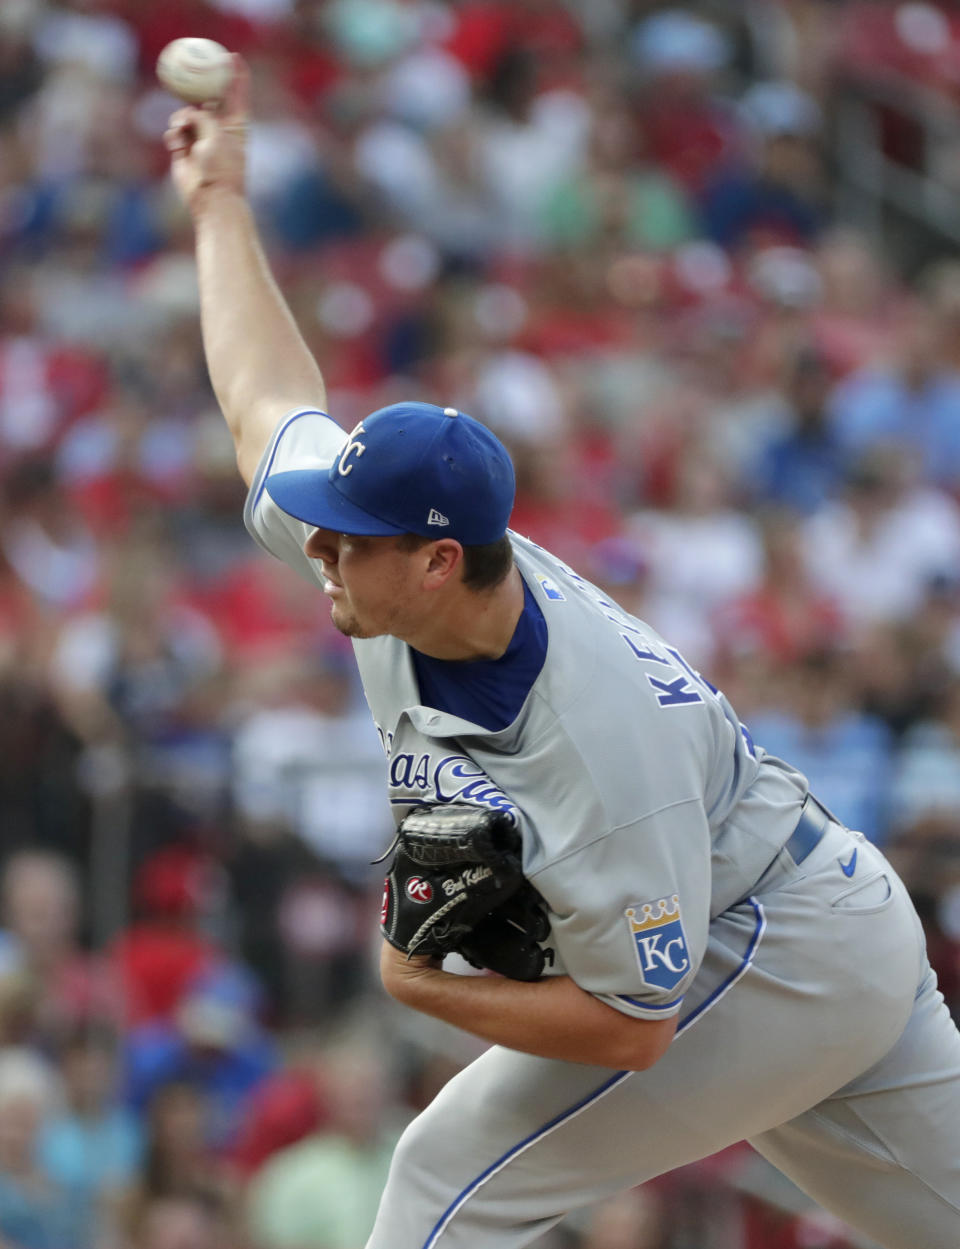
[811,826]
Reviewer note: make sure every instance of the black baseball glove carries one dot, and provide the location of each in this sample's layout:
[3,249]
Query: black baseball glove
[456,884]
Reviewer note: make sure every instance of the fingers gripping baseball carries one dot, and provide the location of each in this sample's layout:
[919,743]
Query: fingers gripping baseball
[454,867]
[207,144]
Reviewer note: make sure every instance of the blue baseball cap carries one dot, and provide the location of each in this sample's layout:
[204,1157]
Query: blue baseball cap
[408,468]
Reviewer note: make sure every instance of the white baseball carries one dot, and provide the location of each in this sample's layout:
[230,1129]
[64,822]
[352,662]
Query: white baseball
[195,70]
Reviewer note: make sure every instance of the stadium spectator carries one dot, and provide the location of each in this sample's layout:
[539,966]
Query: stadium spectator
[287,1107]
[913,404]
[183,1223]
[876,548]
[803,465]
[847,755]
[617,199]
[775,197]
[632,1220]
[36,1212]
[91,1145]
[214,1044]
[40,905]
[925,786]
[785,617]
[184,1187]
[324,1191]
[163,950]
[690,129]
[702,554]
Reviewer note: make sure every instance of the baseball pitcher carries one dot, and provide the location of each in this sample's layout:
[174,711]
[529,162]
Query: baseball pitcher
[691,950]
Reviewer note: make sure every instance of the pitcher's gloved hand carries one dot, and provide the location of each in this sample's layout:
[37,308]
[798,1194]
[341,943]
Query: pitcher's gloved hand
[456,884]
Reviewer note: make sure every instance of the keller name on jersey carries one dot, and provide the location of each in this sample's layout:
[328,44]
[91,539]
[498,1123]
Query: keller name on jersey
[660,942]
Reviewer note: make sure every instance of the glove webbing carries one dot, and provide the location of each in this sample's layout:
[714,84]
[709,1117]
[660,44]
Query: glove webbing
[449,852]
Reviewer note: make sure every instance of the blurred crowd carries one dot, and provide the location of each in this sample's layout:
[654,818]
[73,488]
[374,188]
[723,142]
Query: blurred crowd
[608,229]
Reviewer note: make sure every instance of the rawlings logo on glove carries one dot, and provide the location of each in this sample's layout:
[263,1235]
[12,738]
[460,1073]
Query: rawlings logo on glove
[456,884]
[418,890]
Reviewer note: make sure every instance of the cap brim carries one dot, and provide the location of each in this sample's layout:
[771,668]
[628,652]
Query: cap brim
[309,495]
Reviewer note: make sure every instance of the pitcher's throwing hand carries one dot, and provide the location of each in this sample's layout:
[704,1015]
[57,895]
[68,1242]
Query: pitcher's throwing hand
[207,144]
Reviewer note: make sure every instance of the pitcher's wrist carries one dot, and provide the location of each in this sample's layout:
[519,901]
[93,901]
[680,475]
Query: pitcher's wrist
[214,198]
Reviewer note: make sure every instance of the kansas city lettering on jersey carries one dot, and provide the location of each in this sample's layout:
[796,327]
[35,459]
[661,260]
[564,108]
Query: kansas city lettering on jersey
[660,942]
[450,778]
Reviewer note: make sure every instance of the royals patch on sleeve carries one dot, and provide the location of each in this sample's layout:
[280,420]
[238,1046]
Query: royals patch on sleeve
[661,944]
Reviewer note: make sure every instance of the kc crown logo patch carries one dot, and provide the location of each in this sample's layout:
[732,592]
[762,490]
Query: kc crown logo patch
[661,944]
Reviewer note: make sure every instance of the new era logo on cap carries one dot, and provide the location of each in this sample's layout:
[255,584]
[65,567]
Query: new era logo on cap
[408,468]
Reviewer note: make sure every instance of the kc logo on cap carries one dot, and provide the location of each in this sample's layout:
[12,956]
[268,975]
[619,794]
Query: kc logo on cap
[353,444]
[425,470]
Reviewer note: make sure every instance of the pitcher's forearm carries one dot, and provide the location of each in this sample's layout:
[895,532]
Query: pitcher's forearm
[259,364]
[552,1018]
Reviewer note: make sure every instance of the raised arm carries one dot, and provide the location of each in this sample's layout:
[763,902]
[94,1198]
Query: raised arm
[260,366]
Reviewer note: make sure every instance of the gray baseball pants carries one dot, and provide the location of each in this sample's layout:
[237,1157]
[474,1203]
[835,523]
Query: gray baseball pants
[814,1030]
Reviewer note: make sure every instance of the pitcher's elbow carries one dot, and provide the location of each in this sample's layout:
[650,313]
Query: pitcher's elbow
[643,1042]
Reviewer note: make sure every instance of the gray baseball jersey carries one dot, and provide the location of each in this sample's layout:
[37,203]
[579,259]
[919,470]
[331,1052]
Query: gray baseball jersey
[655,829]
